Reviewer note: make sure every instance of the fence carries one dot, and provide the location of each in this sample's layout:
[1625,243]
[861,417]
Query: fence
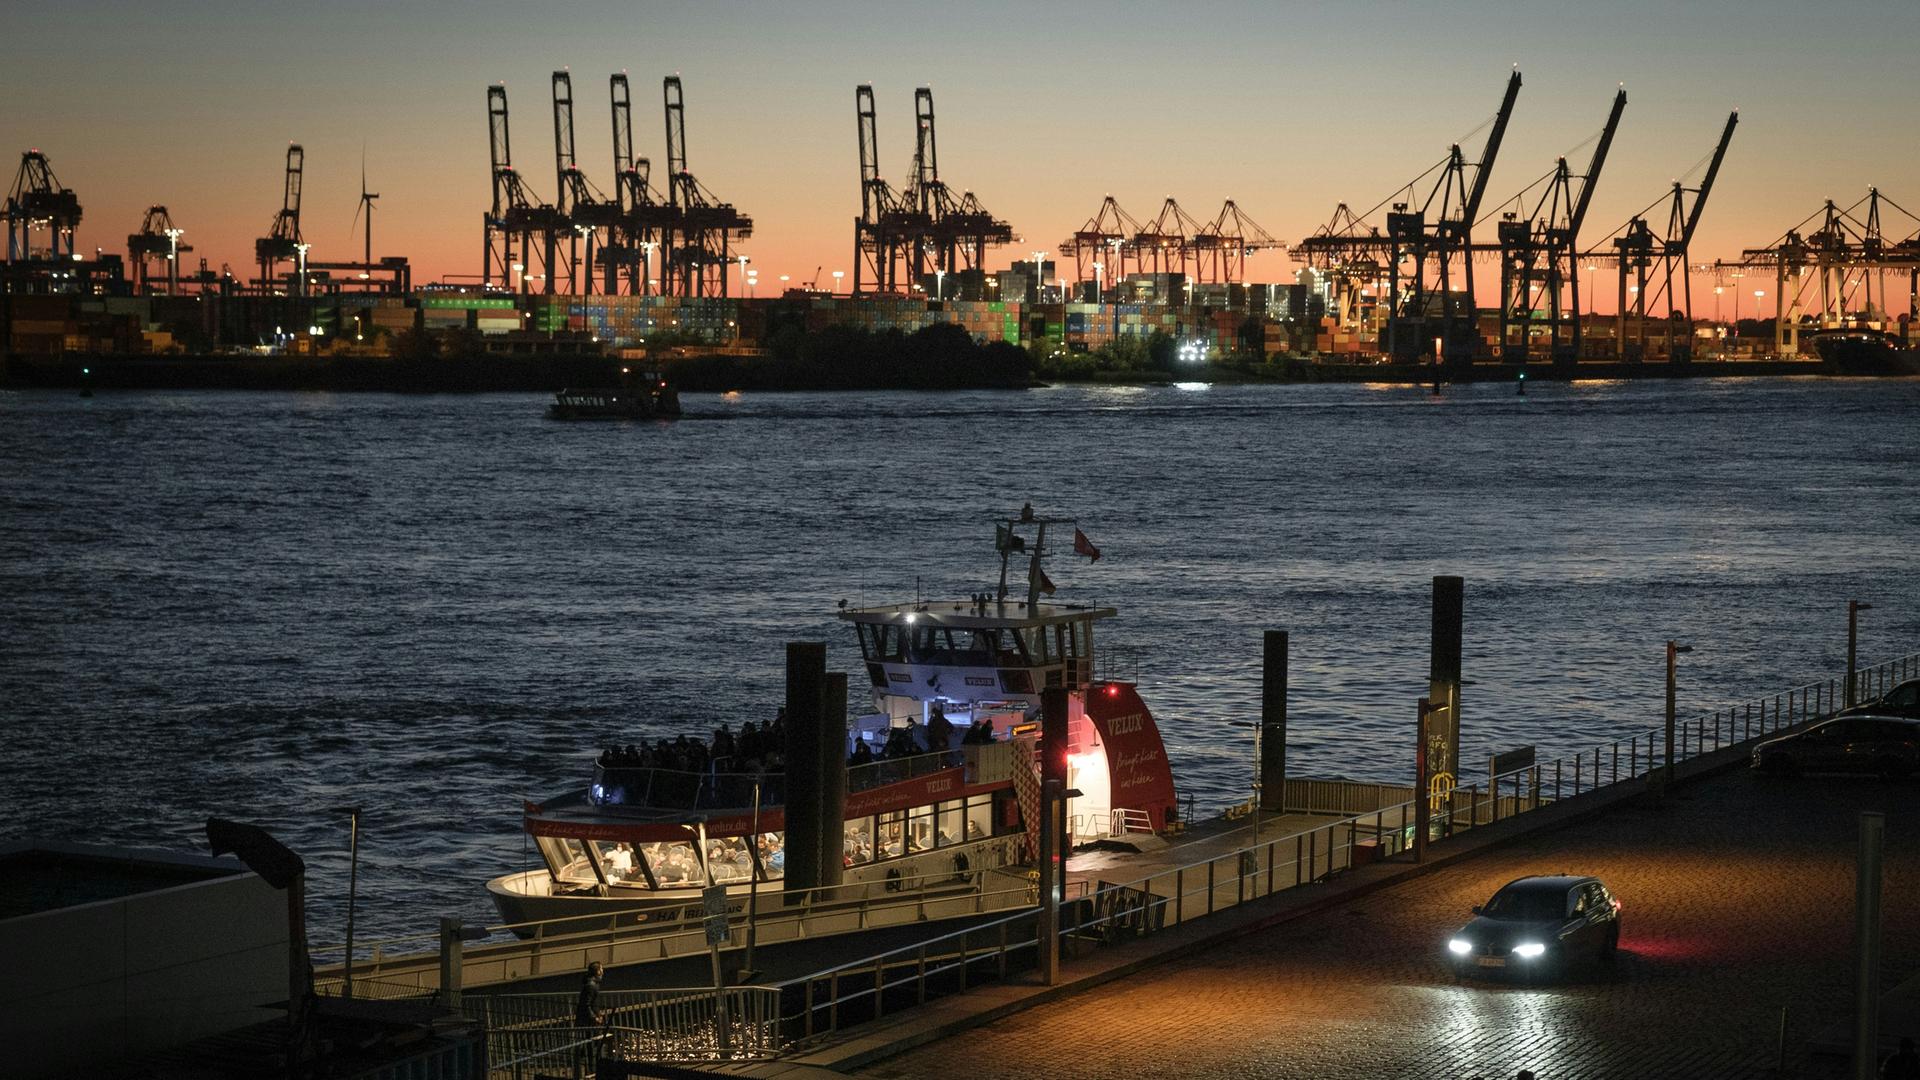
[828,1001]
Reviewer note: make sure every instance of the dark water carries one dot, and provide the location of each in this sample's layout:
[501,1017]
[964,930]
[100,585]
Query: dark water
[272,606]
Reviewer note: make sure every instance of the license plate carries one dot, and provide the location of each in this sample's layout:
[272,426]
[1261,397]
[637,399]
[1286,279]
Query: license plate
[1493,961]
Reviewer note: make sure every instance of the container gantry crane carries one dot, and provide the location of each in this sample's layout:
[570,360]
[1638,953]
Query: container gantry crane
[519,230]
[592,218]
[886,232]
[698,249]
[1440,310]
[283,242]
[959,229]
[1102,243]
[1540,257]
[1648,263]
[157,243]
[1220,248]
[38,202]
[640,217]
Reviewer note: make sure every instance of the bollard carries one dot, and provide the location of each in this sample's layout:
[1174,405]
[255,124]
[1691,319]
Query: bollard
[1616,761]
[1749,720]
[1576,774]
[1633,757]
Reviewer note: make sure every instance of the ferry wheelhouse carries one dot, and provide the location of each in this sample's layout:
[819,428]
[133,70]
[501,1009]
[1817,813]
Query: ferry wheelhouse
[942,778]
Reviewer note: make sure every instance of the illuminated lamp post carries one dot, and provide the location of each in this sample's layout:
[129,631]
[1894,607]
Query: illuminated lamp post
[743,269]
[939,285]
[300,250]
[837,275]
[646,263]
[1099,282]
[1039,276]
[173,259]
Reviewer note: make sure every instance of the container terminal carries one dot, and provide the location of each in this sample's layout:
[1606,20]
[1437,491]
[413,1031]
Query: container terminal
[1403,283]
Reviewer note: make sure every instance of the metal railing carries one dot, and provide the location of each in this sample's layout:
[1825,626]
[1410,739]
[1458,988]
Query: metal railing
[824,1003]
[532,1032]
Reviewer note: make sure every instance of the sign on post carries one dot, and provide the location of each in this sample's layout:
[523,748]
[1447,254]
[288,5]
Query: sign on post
[713,902]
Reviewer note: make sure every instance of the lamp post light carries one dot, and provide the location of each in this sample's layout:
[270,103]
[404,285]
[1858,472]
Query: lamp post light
[1759,295]
[837,275]
[353,888]
[1039,275]
[1674,649]
[1854,608]
[519,278]
[743,269]
[646,262]
[939,285]
[300,250]
[173,259]
[1099,282]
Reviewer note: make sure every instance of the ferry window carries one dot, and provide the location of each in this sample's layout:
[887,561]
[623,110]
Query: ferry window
[621,864]
[674,864]
[980,817]
[859,839]
[567,861]
[953,816]
[869,647]
[728,861]
[773,856]
[920,828]
[893,836]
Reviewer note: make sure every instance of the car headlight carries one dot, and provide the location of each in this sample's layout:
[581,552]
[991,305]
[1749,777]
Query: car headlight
[1529,950]
[1460,946]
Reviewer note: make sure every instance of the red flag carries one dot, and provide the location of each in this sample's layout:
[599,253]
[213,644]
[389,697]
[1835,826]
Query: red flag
[1084,546]
[1046,583]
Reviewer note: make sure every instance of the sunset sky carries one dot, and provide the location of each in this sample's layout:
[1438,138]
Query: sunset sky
[1288,108]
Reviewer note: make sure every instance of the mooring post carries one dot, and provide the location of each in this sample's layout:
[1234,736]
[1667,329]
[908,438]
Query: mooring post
[1273,724]
[452,945]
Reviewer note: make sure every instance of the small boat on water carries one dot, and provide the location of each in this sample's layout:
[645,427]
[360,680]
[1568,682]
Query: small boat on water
[643,396]
[1865,352]
[942,774]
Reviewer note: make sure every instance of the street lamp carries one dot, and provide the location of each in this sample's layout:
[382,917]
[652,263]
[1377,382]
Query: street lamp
[1039,275]
[301,251]
[837,275]
[1099,282]
[1674,649]
[518,278]
[646,261]
[1854,608]
[743,269]
[173,259]
[353,888]
[939,285]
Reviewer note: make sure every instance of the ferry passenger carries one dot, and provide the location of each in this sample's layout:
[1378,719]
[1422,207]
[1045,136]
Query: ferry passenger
[939,730]
[620,862]
[862,753]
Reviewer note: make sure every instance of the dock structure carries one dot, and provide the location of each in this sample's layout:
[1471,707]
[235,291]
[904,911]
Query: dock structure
[1334,840]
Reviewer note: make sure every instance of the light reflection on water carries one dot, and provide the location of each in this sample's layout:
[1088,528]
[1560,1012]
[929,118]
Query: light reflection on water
[266,606]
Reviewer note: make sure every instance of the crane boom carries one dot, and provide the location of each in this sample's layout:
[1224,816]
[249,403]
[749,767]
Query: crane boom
[677,176]
[564,165]
[1599,161]
[1706,182]
[1491,151]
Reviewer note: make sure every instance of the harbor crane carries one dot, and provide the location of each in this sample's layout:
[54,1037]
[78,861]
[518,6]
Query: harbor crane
[885,233]
[1434,307]
[1220,248]
[696,252]
[639,215]
[1162,245]
[517,218]
[1539,256]
[1102,243]
[1833,276]
[283,242]
[590,216]
[37,202]
[1648,263]
[960,228]
[157,242]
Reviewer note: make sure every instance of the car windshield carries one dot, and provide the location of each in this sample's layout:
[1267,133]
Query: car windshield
[1527,904]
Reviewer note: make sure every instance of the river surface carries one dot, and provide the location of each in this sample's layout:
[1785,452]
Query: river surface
[272,606]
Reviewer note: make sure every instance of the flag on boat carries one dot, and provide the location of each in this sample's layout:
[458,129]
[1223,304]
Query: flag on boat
[1084,546]
[1046,583]
[1005,540]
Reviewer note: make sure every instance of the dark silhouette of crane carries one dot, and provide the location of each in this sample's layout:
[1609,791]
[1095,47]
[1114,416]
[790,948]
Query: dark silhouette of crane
[1643,256]
[157,243]
[520,231]
[283,241]
[1539,256]
[697,249]
[38,202]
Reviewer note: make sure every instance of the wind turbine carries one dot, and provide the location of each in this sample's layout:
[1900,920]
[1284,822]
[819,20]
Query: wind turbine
[366,205]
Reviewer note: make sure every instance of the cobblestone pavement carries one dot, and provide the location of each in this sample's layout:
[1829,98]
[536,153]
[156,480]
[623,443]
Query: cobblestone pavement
[1738,901]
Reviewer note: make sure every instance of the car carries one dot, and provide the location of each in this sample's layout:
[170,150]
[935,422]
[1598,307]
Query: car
[1538,926]
[1902,700]
[1886,745]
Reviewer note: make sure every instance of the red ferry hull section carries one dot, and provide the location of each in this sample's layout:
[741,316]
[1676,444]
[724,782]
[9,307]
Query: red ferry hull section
[1136,758]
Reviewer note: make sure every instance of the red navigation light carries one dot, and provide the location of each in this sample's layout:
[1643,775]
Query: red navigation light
[1616,904]
[1113,691]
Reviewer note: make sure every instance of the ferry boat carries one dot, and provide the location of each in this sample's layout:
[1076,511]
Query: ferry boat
[645,396]
[1864,351]
[943,781]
